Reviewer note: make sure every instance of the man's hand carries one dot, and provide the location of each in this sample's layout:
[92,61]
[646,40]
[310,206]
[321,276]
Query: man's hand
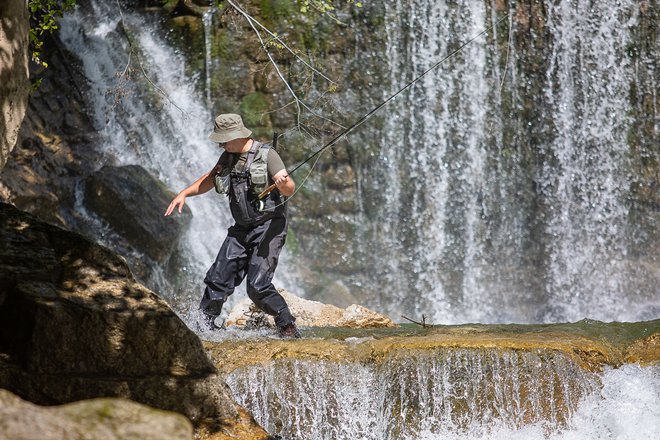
[179,201]
[281,180]
[284,184]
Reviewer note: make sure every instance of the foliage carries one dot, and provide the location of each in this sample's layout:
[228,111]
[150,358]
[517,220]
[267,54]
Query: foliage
[44,15]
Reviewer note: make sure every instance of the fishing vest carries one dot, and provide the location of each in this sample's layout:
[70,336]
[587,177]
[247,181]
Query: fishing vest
[243,186]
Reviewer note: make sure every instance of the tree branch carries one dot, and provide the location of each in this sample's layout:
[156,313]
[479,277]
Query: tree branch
[299,102]
[251,19]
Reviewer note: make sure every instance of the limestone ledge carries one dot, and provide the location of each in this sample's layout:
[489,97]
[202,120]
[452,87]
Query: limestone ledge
[592,345]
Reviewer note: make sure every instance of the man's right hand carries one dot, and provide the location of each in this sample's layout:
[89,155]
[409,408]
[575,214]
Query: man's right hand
[179,201]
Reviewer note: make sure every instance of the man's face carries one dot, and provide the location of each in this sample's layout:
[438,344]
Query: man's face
[234,145]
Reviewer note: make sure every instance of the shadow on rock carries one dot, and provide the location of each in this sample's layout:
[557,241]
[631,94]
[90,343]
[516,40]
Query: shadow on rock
[74,324]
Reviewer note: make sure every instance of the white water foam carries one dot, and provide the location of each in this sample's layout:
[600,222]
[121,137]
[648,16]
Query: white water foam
[626,408]
[450,399]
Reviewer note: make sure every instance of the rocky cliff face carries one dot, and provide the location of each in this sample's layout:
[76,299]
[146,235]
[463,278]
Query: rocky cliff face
[14,80]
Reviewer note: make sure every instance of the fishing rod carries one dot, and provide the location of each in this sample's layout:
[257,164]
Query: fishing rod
[363,119]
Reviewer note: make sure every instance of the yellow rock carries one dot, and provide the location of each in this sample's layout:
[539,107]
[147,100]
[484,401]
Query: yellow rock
[315,314]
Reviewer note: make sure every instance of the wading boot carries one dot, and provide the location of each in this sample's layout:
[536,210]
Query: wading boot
[210,325]
[289,331]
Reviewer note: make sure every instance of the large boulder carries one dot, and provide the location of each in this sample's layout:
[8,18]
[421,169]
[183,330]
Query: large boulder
[132,201]
[14,77]
[74,324]
[97,419]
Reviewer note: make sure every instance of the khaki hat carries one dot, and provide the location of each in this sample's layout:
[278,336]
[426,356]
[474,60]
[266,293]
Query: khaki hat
[228,127]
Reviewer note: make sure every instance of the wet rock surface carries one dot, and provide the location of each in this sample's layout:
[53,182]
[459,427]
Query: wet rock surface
[97,419]
[132,202]
[644,351]
[592,345]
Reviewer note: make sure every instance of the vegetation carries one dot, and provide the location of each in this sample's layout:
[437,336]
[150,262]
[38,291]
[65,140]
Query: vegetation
[43,17]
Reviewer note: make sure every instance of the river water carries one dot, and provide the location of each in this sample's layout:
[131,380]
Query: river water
[494,211]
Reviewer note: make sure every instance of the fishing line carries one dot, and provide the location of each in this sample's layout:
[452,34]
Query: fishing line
[378,107]
[506,63]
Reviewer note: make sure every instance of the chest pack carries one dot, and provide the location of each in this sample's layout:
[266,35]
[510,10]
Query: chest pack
[255,169]
[243,181]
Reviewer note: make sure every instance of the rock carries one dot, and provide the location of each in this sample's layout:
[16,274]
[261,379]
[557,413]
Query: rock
[645,351]
[357,316]
[133,202]
[14,77]
[97,419]
[315,314]
[47,164]
[74,324]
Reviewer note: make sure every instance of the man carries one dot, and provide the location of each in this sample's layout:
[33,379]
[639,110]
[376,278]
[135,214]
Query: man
[253,244]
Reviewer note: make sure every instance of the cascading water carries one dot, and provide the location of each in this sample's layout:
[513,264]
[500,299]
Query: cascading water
[500,205]
[455,394]
[207,19]
[588,184]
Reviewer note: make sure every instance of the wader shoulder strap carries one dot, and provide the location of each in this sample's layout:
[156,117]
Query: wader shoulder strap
[251,155]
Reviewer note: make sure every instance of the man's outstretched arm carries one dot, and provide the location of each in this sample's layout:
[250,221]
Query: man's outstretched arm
[201,185]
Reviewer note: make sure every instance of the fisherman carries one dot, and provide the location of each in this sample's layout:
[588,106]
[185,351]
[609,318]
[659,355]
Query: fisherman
[252,247]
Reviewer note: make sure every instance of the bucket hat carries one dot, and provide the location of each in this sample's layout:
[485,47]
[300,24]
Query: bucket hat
[228,127]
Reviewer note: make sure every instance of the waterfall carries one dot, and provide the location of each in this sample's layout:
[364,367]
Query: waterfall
[499,194]
[588,87]
[454,393]
[494,204]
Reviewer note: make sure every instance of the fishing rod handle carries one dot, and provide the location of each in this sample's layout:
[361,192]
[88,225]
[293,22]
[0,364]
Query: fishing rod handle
[267,191]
